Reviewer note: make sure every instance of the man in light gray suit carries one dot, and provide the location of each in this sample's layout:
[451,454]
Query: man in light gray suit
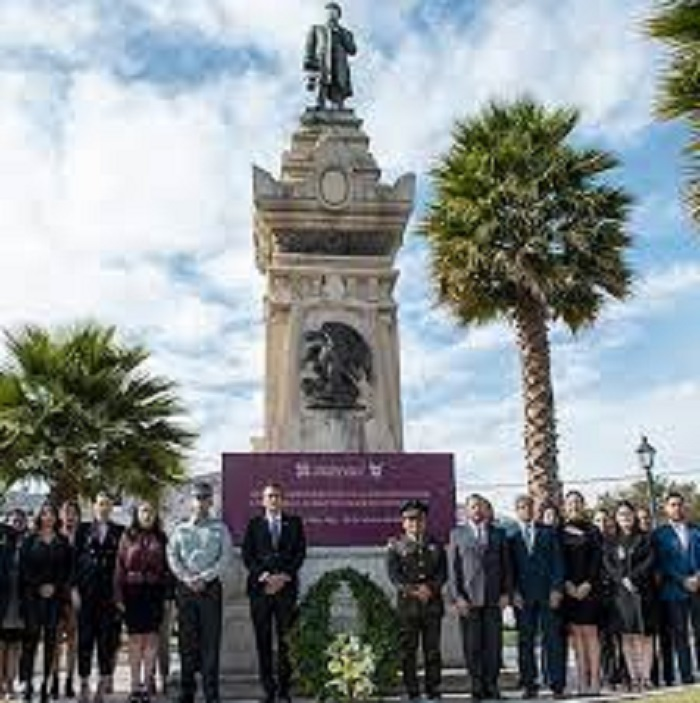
[480,586]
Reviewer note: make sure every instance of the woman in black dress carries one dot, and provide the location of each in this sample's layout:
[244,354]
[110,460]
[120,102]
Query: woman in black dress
[629,565]
[45,572]
[612,661]
[582,549]
[70,515]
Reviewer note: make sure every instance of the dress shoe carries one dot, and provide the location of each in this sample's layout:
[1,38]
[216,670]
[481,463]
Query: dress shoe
[84,692]
[54,687]
[530,692]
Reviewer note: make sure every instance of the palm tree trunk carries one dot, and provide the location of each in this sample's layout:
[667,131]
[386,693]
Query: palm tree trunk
[538,397]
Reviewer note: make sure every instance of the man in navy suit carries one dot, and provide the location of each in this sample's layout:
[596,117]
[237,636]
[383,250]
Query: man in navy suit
[678,553]
[538,583]
[274,549]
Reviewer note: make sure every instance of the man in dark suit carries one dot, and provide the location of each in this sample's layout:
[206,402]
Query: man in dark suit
[538,583]
[678,554]
[274,549]
[479,585]
[99,621]
[417,567]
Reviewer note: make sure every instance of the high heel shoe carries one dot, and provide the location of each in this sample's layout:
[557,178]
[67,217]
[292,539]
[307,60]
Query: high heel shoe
[54,687]
[70,691]
[44,695]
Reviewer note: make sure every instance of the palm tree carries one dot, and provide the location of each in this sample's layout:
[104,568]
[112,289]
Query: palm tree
[79,412]
[522,229]
[677,23]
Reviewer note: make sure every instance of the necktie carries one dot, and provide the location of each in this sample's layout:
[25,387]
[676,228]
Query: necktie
[275,529]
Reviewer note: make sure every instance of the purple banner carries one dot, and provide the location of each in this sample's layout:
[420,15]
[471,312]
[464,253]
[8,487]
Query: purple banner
[345,500]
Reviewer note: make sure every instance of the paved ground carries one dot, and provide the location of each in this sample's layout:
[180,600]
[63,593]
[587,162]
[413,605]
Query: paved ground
[122,687]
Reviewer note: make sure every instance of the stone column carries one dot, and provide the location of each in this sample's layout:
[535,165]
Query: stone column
[326,236]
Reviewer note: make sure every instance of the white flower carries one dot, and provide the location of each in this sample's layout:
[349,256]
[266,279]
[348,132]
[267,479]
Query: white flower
[351,664]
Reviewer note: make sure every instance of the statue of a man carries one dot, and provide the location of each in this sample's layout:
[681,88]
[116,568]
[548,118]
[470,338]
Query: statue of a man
[326,63]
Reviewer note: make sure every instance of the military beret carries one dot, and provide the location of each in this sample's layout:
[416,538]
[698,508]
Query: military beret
[413,508]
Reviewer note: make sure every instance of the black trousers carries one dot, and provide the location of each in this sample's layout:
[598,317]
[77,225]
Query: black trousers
[99,627]
[41,619]
[679,615]
[532,620]
[482,640]
[270,615]
[199,640]
[420,626]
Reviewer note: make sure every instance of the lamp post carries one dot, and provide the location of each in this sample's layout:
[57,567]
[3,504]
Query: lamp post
[646,455]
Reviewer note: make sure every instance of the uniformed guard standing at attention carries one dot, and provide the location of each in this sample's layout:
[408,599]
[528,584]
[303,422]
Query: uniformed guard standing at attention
[417,566]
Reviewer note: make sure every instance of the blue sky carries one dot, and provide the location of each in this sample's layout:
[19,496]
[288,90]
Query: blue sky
[127,134]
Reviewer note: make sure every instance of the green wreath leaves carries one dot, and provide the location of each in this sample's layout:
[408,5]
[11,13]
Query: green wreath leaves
[312,633]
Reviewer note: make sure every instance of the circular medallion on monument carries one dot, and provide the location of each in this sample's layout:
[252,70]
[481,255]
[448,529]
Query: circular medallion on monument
[334,188]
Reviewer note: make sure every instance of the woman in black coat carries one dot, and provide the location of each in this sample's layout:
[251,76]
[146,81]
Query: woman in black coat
[628,560]
[582,549]
[45,571]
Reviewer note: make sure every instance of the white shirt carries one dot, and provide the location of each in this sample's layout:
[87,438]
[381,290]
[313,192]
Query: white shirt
[479,530]
[681,529]
[528,531]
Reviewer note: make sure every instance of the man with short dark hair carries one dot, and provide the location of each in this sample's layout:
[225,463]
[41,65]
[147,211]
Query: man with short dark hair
[199,552]
[479,585]
[678,553]
[417,566]
[538,583]
[274,549]
[99,619]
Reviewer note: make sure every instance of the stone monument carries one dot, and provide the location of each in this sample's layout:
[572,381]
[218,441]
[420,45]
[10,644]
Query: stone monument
[326,236]
[327,230]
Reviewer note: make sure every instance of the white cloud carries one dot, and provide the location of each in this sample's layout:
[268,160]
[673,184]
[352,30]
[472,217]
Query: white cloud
[587,53]
[107,185]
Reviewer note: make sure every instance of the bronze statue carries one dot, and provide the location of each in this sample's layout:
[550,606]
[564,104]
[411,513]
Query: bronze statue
[326,61]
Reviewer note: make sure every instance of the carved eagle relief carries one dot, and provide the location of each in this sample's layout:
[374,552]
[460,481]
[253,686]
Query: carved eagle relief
[336,362]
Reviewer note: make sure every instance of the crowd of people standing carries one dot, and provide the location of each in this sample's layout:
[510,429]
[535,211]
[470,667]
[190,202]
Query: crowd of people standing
[71,586]
[618,592]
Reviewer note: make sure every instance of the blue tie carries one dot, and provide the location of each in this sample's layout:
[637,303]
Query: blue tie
[275,532]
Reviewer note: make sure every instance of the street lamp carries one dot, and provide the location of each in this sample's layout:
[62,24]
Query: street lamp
[646,455]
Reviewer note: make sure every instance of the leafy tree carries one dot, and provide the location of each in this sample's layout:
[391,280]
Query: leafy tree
[637,493]
[677,24]
[523,229]
[80,412]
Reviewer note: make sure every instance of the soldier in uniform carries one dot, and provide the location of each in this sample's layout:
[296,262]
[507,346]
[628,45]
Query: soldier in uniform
[417,566]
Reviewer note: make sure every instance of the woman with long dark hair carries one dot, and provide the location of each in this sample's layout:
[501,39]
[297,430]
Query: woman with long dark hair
[629,564]
[46,564]
[582,548]
[140,584]
[11,626]
[612,661]
[68,621]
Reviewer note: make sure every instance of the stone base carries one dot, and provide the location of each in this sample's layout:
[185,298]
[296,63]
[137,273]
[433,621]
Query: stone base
[238,655]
